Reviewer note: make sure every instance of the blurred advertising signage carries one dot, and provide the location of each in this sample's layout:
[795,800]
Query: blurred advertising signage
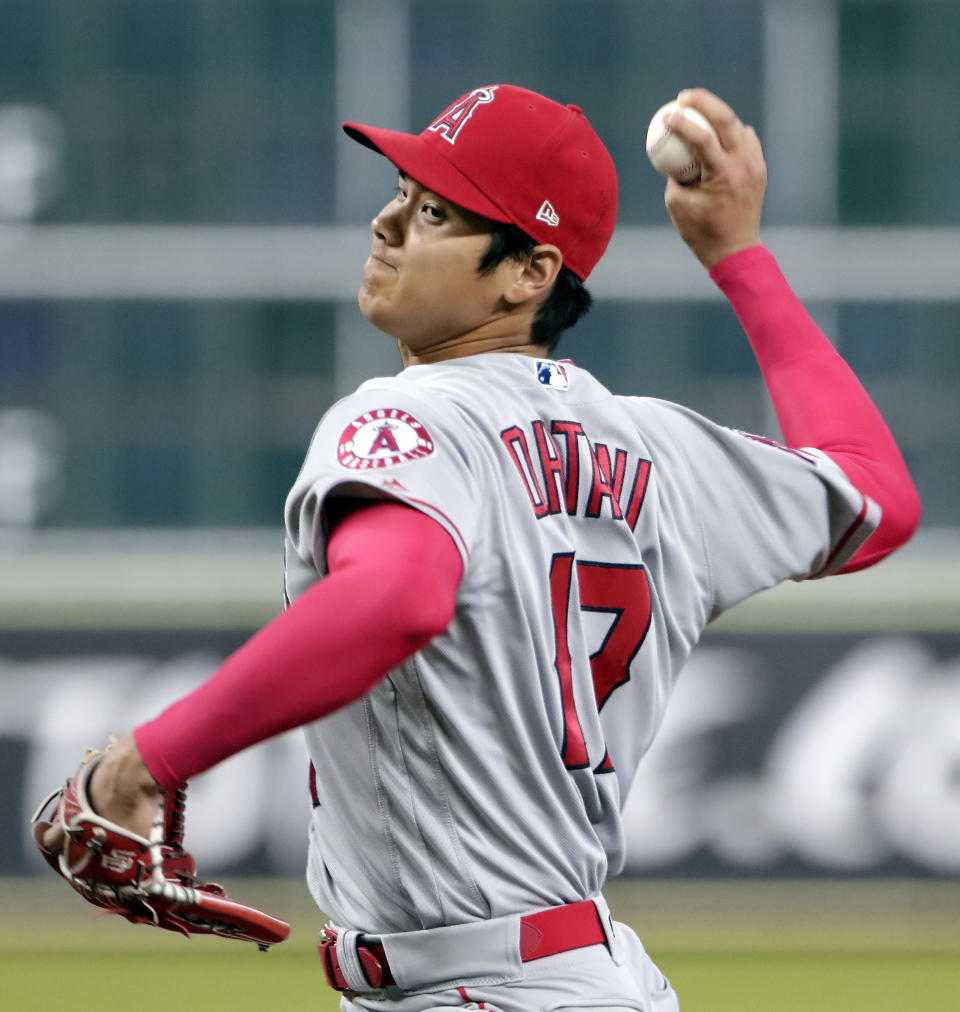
[780,754]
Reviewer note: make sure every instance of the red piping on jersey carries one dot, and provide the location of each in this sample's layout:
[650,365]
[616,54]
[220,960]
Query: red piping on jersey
[851,530]
[462,991]
[818,400]
[433,509]
[392,568]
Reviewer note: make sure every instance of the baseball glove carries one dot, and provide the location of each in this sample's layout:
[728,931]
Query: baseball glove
[146,880]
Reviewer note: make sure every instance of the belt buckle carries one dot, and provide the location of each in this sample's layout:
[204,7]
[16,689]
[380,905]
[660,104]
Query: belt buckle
[372,968]
[327,948]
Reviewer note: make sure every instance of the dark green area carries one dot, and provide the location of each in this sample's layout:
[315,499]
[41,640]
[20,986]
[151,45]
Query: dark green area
[833,945]
[217,111]
[220,978]
[833,980]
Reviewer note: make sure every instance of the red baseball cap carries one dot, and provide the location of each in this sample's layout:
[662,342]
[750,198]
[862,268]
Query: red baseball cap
[514,156]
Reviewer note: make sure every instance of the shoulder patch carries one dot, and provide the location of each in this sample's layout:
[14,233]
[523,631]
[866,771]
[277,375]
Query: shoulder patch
[552,374]
[383,438]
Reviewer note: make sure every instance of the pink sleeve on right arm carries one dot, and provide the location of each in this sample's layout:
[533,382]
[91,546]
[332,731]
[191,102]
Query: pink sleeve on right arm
[818,400]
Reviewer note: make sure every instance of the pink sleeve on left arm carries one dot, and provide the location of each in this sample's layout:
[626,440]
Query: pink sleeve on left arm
[391,588]
[818,400]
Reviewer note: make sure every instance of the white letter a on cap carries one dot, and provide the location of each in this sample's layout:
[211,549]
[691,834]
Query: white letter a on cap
[454,119]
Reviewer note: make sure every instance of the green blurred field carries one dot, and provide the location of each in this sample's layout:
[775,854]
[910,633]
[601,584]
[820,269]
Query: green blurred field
[727,947]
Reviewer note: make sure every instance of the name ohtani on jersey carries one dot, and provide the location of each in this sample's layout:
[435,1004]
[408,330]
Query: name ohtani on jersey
[383,438]
[565,457]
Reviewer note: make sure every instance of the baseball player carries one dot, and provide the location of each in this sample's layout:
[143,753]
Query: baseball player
[495,568]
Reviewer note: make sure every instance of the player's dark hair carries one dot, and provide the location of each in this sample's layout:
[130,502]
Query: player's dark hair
[568,301]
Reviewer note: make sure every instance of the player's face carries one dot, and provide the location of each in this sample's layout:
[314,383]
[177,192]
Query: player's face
[420,282]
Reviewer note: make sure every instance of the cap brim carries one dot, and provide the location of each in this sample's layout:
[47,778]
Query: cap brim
[423,162]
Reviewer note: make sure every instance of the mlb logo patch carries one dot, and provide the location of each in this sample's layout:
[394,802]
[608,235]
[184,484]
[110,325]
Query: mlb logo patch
[552,374]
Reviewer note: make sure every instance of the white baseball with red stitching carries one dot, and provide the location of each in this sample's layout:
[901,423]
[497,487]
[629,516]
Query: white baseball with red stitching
[670,154]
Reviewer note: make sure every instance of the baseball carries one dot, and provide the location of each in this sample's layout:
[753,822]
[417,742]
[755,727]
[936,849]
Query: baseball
[667,152]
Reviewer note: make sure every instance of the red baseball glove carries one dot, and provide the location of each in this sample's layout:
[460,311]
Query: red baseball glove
[147,880]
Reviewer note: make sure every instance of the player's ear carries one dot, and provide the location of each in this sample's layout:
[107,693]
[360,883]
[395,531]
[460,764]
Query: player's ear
[536,274]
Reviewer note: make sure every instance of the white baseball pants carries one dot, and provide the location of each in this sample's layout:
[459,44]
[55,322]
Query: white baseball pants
[617,977]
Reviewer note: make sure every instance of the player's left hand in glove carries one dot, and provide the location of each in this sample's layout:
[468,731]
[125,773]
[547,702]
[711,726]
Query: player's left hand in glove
[147,879]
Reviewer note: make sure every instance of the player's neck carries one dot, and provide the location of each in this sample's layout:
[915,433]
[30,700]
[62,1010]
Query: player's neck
[500,335]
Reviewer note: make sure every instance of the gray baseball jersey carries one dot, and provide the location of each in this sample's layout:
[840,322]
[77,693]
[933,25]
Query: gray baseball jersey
[599,535]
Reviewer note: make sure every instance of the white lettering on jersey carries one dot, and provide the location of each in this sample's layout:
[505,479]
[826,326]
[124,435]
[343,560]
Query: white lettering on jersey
[559,491]
[383,438]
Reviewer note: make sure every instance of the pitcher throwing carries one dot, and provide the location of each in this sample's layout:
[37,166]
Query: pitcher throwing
[496,568]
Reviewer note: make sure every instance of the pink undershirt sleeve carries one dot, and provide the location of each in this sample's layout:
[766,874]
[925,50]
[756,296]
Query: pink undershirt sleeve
[391,588]
[818,400]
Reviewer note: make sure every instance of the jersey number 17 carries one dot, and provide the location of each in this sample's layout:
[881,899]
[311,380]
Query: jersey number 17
[622,590]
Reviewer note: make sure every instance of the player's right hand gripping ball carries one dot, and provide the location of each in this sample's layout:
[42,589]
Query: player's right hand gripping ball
[670,154]
[146,880]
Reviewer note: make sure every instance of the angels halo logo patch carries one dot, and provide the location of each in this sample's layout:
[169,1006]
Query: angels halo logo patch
[383,438]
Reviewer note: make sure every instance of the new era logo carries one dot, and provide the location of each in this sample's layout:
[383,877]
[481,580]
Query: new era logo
[548,214]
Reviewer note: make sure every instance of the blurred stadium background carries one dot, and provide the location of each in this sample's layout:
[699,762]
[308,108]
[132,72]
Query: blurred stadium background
[181,234]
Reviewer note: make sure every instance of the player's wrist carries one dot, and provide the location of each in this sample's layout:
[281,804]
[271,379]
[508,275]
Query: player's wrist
[728,261]
[121,787]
